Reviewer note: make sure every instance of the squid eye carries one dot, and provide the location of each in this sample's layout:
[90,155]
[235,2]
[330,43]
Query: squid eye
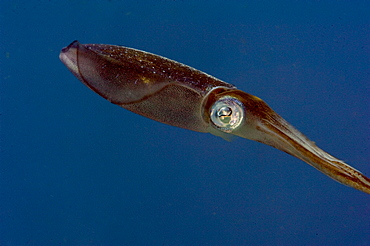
[227,113]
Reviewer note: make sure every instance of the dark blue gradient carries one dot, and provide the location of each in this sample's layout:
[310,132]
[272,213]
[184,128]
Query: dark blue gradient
[78,170]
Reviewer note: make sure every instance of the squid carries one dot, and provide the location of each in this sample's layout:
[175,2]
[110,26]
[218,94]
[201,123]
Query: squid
[176,94]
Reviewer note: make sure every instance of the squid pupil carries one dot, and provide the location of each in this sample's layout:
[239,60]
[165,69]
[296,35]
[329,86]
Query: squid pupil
[224,114]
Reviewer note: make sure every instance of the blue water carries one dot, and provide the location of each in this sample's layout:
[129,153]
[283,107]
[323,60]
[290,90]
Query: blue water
[78,170]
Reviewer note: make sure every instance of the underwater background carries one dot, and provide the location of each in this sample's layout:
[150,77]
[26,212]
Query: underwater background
[78,170]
